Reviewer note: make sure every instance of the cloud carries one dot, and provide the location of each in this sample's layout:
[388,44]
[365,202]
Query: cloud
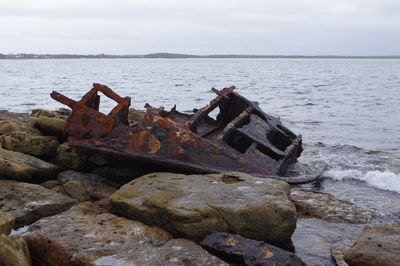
[206,27]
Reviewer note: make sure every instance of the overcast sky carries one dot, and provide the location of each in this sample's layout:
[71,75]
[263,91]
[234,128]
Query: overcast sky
[267,27]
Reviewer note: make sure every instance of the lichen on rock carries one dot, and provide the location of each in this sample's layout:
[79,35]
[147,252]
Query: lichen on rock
[192,205]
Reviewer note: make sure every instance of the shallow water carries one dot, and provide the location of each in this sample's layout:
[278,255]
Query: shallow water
[348,112]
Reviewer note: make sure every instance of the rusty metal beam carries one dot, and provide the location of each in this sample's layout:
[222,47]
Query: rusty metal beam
[241,138]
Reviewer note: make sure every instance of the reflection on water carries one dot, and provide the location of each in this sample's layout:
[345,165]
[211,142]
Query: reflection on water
[313,239]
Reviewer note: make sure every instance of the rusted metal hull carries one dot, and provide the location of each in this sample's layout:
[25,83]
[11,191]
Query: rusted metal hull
[247,251]
[241,138]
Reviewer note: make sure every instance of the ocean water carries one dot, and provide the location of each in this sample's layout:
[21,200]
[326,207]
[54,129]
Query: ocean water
[348,111]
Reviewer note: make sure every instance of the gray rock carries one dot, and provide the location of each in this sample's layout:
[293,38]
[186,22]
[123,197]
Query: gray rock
[327,207]
[377,245]
[97,186]
[6,223]
[31,144]
[192,205]
[14,251]
[29,202]
[24,167]
[252,252]
[90,236]
[76,190]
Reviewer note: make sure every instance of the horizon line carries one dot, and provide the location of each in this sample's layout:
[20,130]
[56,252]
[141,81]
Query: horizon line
[177,55]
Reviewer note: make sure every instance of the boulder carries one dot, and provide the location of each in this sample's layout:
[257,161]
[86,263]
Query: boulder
[52,126]
[6,223]
[24,167]
[30,202]
[247,251]
[50,184]
[76,190]
[327,207]
[192,205]
[27,143]
[89,236]
[377,245]
[68,158]
[97,186]
[61,113]
[7,126]
[43,112]
[14,251]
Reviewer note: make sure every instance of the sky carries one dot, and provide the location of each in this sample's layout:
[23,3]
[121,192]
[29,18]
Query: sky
[251,27]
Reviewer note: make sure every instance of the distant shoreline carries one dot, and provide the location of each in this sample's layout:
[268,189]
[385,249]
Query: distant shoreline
[183,56]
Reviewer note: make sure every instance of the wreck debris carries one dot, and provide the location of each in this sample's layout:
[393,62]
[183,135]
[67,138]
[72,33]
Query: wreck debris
[241,138]
[247,251]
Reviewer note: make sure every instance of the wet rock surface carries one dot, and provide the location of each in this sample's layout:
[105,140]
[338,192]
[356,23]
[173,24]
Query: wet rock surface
[24,167]
[246,251]
[14,251]
[6,223]
[30,202]
[192,205]
[377,245]
[93,237]
[327,207]
[31,144]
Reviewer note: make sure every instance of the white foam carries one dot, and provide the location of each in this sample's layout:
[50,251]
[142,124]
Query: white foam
[385,180]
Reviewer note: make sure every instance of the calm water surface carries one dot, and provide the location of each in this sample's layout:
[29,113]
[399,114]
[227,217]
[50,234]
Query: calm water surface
[348,112]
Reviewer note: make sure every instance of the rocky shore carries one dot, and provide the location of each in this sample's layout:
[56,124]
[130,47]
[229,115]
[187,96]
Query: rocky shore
[59,208]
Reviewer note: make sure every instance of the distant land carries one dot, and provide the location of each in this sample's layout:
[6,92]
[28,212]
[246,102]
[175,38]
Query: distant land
[172,55]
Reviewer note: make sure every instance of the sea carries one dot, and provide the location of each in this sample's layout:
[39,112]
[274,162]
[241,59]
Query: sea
[347,110]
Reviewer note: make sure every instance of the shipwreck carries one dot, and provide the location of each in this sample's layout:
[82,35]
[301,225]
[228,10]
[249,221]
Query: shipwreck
[240,138]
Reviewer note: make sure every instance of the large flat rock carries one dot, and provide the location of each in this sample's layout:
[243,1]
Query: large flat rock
[377,245]
[192,205]
[90,236]
[30,202]
[327,207]
[24,167]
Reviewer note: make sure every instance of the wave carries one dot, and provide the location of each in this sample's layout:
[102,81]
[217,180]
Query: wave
[385,180]
[378,169]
